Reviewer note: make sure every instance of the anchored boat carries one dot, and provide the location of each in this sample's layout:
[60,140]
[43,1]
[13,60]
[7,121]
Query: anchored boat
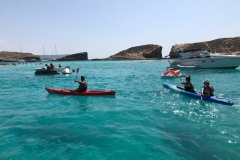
[204,59]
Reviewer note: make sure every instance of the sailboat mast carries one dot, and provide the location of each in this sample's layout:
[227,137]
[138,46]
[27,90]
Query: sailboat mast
[56,57]
[44,53]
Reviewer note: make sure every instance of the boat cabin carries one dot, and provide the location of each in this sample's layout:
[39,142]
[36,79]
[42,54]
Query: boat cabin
[192,54]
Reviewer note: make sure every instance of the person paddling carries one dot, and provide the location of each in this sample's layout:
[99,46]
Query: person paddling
[82,84]
[188,86]
[207,90]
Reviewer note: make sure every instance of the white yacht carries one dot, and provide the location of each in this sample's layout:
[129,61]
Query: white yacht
[204,59]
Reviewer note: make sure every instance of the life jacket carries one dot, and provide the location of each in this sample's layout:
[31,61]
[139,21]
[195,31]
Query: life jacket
[211,90]
[189,87]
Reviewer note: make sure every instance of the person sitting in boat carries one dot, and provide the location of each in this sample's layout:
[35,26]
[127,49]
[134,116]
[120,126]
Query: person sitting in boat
[51,66]
[188,86]
[170,71]
[207,89]
[82,85]
[48,68]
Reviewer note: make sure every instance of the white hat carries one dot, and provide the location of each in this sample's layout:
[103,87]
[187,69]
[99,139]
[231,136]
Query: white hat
[206,81]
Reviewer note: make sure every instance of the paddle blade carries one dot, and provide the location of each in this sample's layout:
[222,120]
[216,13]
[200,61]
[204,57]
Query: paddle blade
[77,71]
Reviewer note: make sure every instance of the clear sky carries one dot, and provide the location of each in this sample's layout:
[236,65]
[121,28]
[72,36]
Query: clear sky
[105,27]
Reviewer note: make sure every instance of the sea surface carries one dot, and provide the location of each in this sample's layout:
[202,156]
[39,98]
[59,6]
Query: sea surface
[143,121]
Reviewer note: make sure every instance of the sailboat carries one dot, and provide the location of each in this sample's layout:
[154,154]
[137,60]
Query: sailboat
[44,58]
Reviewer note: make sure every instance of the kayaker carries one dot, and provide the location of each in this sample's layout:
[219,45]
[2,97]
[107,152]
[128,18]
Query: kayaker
[188,86]
[82,84]
[207,90]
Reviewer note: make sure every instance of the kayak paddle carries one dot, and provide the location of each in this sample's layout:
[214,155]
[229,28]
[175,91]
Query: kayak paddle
[76,74]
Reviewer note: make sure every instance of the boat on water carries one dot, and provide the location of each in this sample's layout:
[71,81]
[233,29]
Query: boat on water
[63,70]
[204,59]
[56,70]
[170,73]
[44,71]
[66,70]
[197,95]
[85,93]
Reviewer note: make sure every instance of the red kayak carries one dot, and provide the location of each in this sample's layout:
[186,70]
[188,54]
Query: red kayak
[86,93]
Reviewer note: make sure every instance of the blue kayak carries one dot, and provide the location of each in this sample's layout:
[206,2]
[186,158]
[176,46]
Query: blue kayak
[196,95]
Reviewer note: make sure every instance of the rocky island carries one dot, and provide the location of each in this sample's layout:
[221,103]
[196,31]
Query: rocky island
[75,57]
[142,52]
[6,56]
[225,46]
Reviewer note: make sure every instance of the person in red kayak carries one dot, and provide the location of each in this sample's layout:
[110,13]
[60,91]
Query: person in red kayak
[82,84]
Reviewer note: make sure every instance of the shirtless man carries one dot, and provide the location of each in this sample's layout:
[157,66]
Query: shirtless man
[82,85]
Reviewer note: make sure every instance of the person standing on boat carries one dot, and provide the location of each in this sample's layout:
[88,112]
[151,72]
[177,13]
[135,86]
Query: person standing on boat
[188,86]
[82,84]
[207,90]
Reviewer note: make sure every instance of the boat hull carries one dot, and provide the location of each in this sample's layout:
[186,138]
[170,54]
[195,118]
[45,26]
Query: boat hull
[86,93]
[196,95]
[172,76]
[45,72]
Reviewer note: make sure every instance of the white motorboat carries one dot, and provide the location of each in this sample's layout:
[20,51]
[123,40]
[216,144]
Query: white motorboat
[204,59]
[66,70]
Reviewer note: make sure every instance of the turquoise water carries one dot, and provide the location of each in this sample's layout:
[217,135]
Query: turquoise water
[142,121]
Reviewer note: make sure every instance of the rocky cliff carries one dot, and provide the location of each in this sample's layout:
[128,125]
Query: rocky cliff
[6,56]
[75,57]
[142,52]
[222,46]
